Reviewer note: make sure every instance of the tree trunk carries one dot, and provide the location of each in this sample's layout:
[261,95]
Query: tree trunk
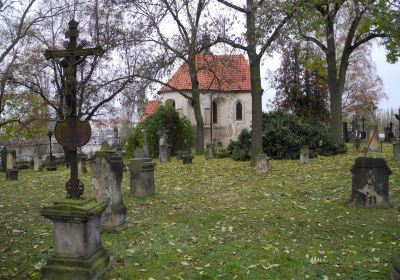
[256,94]
[199,141]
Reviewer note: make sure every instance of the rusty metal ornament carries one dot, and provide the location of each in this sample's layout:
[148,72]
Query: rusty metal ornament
[72,133]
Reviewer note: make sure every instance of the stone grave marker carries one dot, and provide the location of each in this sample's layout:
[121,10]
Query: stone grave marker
[141,177]
[3,156]
[107,172]
[370,182]
[11,163]
[396,151]
[163,147]
[373,141]
[304,155]
[209,151]
[37,163]
[78,253]
[262,163]
[83,163]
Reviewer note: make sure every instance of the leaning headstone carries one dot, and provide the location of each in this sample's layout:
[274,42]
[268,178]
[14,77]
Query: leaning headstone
[11,162]
[396,151]
[304,155]
[78,253]
[37,163]
[106,187]
[209,151]
[141,177]
[262,163]
[370,182]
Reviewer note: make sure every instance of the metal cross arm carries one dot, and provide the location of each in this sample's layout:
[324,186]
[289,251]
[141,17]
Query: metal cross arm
[48,54]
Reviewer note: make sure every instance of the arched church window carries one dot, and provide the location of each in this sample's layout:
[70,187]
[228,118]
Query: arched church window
[215,112]
[170,102]
[239,111]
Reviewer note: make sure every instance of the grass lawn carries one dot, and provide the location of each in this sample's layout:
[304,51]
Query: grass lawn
[218,219]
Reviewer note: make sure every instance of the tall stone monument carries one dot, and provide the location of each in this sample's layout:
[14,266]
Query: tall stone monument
[78,253]
[107,172]
[163,147]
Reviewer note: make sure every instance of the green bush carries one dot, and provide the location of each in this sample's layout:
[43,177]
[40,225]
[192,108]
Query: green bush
[178,129]
[284,135]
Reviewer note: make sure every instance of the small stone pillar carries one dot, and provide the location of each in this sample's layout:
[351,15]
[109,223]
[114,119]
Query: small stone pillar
[163,153]
[82,163]
[142,177]
[37,163]
[209,151]
[262,163]
[11,162]
[304,155]
[396,151]
[78,253]
[106,187]
[370,182]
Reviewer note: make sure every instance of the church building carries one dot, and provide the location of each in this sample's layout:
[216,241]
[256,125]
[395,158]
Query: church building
[225,95]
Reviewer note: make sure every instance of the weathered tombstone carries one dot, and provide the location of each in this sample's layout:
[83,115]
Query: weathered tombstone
[51,164]
[78,253]
[262,163]
[169,152]
[186,159]
[107,172]
[141,177]
[370,182]
[139,153]
[179,155]
[304,155]
[37,163]
[11,163]
[82,163]
[163,148]
[396,151]
[3,157]
[209,151]
[373,142]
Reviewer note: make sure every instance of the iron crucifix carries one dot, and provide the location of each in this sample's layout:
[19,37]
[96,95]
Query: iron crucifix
[72,133]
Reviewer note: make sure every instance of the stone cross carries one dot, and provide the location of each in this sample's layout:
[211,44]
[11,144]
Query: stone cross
[72,132]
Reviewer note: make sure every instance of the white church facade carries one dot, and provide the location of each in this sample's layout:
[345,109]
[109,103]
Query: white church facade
[225,99]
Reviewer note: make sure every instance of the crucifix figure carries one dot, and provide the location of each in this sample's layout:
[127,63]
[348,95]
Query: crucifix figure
[72,133]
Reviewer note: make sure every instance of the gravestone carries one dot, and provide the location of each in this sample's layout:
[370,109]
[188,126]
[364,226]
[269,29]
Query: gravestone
[163,148]
[186,159]
[139,153]
[179,155]
[78,253]
[141,177]
[262,163]
[118,151]
[107,172]
[373,142]
[51,164]
[209,151]
[169,152]
[11,163]
[82,163]
[3,156]
[345,133]
[37,163]
[370,182]
[396,151]
[304,155]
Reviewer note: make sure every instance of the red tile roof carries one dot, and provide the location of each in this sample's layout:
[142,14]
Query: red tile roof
[222,73]
[150,108]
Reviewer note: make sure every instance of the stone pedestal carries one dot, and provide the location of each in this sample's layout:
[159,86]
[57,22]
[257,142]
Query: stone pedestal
[370,182]
[37,164]
[106,187]
[142,177]
[186,159]
[262,163]
[396,151]
[163,153]
[304,155]
[209,151]
[78,253]
[11,174]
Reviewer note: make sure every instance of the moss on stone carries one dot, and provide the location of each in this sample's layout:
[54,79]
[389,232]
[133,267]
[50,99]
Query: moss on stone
[74,208]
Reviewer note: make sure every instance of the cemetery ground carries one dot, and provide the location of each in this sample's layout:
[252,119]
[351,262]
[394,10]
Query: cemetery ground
[218,219]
